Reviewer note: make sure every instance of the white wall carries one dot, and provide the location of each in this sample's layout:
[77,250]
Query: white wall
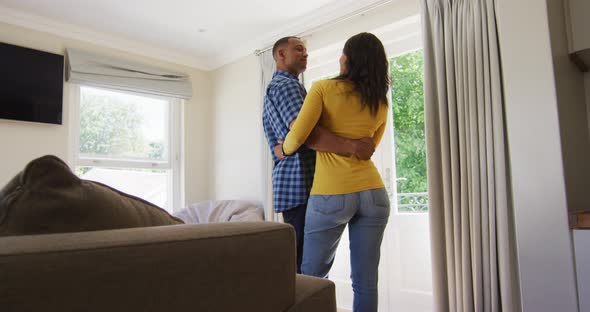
[581,243]
[369,21]
[24,141]
[538,189]
[237,131]
[198,138]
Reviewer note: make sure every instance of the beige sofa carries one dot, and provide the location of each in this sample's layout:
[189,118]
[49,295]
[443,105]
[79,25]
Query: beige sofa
[208,267]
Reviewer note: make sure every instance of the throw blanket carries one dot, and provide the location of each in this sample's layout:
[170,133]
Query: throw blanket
[213,211]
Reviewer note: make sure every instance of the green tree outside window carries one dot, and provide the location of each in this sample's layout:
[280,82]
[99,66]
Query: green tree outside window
[407,93]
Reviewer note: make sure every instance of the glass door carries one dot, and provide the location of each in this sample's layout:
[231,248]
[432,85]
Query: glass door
[409,273]
[405,282]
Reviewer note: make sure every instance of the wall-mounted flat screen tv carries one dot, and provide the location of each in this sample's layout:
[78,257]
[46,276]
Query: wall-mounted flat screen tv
[31,85]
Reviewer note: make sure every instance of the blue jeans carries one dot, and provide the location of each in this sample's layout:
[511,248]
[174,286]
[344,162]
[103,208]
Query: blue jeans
[366,214]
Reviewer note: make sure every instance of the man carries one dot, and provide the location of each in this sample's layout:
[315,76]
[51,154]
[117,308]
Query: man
[293,175]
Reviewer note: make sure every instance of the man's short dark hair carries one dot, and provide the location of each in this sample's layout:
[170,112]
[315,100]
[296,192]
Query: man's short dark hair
[281,42]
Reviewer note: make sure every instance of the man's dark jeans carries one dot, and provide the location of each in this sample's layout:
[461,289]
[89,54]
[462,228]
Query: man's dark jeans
[296,217]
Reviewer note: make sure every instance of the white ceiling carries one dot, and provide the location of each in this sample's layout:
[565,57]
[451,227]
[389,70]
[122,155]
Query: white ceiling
[205,34]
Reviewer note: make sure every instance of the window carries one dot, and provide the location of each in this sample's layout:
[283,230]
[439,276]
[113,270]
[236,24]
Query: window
[129,141]
[407,98]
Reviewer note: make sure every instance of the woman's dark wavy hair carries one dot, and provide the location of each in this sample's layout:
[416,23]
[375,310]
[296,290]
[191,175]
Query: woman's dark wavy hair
[368,69]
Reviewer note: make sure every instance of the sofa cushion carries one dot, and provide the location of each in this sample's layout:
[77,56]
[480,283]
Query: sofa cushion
[46,197]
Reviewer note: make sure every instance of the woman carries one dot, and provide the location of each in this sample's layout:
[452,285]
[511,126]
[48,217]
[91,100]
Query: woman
[347,190]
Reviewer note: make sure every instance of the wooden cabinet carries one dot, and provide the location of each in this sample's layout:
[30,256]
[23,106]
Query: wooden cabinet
[578,17]
[580,220]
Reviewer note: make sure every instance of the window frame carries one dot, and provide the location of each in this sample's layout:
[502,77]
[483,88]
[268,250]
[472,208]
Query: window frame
[174,136]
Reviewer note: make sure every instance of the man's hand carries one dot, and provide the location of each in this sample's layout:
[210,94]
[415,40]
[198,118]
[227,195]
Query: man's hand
[322,140]
[363,148]
[278,149]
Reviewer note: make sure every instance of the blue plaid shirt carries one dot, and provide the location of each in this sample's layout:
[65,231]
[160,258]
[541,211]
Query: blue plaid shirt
[291,177]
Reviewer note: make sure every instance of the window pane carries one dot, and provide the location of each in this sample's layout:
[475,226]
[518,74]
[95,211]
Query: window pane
[150,185]
[407,74]
[122,126]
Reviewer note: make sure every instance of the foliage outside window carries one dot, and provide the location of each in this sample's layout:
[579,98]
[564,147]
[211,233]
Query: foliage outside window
[407,93]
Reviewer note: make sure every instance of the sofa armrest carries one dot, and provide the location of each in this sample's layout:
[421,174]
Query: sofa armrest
[313,294]
[207,267]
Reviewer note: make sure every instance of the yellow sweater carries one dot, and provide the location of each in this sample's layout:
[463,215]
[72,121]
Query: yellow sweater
[334,105]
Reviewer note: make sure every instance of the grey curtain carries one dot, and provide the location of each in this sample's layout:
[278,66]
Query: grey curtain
[474,257]
[267,68]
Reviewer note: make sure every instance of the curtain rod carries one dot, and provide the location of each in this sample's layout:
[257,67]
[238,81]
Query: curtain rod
[335,21]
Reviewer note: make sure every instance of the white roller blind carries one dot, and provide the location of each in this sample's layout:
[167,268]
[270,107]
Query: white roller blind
[102,71]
